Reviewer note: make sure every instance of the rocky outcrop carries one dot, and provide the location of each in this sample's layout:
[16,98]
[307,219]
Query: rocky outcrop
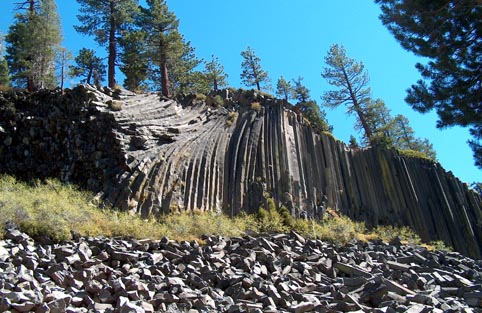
[277,273]
[154,155]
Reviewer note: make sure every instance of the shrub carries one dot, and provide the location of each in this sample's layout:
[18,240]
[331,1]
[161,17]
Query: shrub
[256,106]
[114,105]
[389,232]
[438,245]
[231,118]
[55,210]
[218,101]
[270,220]
[200,96]
[414,154]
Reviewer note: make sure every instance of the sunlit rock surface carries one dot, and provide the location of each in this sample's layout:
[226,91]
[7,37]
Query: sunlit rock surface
[153,156]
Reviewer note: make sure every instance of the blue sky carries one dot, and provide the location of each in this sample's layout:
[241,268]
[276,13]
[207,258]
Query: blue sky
[292,39]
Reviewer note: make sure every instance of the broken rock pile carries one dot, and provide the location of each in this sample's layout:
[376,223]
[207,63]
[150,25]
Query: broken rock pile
[276,273]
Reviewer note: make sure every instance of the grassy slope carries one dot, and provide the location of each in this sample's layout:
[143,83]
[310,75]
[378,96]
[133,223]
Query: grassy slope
[56,210]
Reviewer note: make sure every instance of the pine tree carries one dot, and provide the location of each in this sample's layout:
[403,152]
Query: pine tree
[404,138]
[309,108]
[106,20]
[62,60]
[4,77]
[317,118]
[284,89]
[380,123]
[134,63]
[448,33]
[215,74]
[353,143]
[30,5]
[163,40]
[351,80]
[184,78]
[300,92]
[32,41]
[253,74]
[88,65]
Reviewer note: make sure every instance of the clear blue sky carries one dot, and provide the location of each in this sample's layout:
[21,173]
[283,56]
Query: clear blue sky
[292,38]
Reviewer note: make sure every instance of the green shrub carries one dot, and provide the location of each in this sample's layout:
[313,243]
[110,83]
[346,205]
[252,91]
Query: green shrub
[200,96]
[270,220]
[389,232]
[414,154]
[438,245]
[218,101]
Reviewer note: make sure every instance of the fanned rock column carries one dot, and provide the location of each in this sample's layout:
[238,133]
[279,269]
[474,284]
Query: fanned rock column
[153,156]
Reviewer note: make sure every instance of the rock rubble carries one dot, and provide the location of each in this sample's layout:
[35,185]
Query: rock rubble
[275,273]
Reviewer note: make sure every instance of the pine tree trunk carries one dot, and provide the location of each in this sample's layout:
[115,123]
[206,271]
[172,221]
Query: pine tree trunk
[164,79]
[89,75]
[31,7]
[62,79]
[356,105]
[30,84]
[112,47]
[363,121]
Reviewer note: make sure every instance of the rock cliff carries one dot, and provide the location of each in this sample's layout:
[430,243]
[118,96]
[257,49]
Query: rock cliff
[222,153]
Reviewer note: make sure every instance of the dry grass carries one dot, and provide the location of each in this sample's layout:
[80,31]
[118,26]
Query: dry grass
[56,210]
[115,105]
[256,106]
[232,116]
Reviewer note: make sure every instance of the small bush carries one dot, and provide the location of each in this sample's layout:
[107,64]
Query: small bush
[231,118]
[115,105]
[256,106]
[414,154]
[218,101]
[438,245]
[200,97]
[388,232]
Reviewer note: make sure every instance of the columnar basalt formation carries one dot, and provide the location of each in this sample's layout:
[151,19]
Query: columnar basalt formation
[154,156]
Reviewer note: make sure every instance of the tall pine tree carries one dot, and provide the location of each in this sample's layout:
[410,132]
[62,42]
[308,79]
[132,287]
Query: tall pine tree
[106,20]
[32,41]
[184,77]
[253,74]
[134,63]
[351,81]
[163,40]
[62,59]
[4,77]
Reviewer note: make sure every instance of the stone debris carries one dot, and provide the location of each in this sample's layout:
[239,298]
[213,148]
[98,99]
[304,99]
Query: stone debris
[274,273]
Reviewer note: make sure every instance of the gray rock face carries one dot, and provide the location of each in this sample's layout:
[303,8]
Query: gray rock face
[297,275]
[154,156]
